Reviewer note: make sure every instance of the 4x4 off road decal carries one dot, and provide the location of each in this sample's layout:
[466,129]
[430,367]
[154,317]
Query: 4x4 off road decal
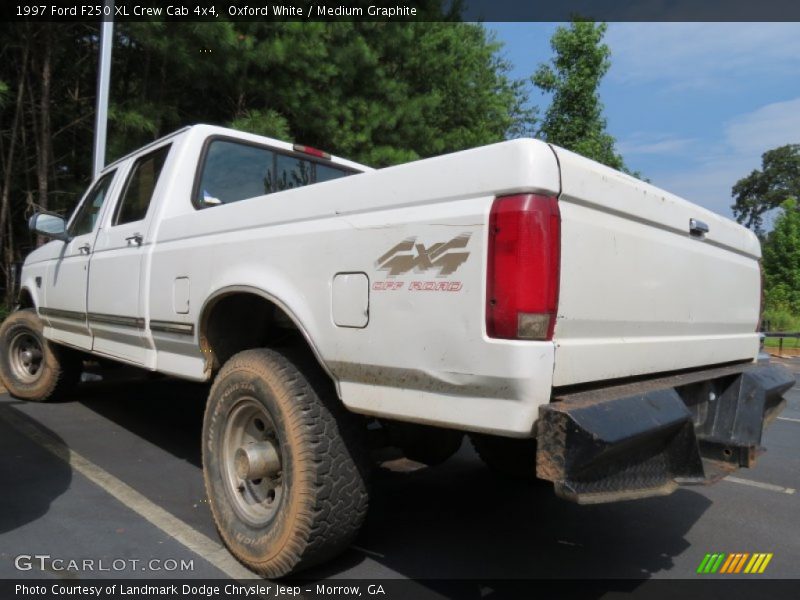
[441,258]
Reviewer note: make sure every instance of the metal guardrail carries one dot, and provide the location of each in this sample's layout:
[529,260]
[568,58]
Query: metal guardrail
[781,336]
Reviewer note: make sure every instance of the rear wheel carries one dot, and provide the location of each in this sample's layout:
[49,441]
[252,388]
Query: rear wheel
[284,464]
[32,368]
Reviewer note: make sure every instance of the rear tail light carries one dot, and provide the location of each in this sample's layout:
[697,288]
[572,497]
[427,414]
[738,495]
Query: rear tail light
[523,267]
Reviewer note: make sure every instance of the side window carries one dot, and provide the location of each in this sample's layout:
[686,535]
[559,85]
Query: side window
[139,189]
[86,214]
[292,172]
[326,173]
[234,171]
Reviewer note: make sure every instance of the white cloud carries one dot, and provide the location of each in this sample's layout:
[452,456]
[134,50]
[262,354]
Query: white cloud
[719,166]
[702,55]
[709,60]
[768,127]
[708,185]
[653,143]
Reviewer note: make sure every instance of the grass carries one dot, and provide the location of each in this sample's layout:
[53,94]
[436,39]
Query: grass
[772,342]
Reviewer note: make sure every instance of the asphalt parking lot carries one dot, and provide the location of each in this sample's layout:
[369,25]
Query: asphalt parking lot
[114,476]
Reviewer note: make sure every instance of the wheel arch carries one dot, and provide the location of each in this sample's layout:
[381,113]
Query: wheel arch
[276,314]
[25,299]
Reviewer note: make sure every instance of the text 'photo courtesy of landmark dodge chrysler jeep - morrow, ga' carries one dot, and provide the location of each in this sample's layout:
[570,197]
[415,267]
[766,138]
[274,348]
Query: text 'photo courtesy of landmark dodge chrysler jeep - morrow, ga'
[580,325]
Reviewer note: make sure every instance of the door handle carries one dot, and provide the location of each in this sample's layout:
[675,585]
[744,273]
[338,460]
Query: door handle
[698,227]
[136,238]
[84,249]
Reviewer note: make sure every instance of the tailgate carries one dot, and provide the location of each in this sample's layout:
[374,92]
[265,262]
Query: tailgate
[639,293]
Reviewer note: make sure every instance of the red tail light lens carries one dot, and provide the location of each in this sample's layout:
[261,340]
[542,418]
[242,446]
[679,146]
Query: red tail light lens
[524,267]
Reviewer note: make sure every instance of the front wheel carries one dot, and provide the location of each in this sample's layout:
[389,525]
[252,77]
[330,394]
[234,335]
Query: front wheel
[284,464]
[32,368]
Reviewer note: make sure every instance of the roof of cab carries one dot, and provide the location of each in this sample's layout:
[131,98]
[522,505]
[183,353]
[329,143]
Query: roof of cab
[208,130]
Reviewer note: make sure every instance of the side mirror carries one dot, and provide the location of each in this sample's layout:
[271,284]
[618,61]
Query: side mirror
[49,225]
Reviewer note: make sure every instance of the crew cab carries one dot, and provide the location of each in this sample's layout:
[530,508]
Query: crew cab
[580,325]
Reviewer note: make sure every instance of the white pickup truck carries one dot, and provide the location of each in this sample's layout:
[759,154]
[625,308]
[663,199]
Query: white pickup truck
[582,326]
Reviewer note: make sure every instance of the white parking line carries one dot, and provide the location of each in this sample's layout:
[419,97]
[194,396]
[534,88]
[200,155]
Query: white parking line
[368,552]
[211,551]
[763,486]
[788,419]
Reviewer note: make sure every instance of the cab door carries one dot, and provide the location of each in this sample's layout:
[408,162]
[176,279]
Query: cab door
[115,304]
[64,305]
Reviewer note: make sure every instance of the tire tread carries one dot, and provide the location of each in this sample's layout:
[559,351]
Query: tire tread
[62,364]
[330,449]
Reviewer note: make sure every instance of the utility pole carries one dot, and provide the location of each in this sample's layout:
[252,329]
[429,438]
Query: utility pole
[103,80]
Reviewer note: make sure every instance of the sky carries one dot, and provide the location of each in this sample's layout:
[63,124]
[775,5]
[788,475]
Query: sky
[693,106]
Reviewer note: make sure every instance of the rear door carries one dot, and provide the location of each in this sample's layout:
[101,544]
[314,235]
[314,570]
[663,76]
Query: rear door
[116,309]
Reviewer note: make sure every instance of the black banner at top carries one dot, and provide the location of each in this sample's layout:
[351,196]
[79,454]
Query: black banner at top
[401,10]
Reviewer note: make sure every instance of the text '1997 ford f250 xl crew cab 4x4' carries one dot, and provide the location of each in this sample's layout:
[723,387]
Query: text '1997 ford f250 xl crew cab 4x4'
[580,325]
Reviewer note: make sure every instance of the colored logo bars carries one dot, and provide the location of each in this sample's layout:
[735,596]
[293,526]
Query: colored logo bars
[741,562]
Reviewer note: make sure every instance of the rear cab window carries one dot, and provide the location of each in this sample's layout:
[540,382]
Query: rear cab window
[234,170]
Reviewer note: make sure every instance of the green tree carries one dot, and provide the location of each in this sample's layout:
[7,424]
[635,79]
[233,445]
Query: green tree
[574,118]
[767,189]
[782,261]
[380,93]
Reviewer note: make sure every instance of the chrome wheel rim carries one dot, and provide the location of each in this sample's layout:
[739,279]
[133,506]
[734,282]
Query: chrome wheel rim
[26,356]
[252,462]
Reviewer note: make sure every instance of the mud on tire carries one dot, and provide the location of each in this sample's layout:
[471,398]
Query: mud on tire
[31,367]
[284,463]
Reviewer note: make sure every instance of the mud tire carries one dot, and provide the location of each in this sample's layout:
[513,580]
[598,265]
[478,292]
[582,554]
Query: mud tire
[58,367]
[323,497]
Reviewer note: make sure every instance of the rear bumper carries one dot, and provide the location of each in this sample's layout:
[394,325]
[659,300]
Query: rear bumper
[646,438]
